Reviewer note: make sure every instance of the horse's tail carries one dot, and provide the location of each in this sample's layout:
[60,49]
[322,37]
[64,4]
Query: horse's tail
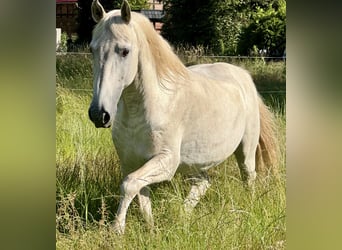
[267,154]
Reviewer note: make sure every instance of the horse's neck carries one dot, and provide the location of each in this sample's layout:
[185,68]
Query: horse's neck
[138,97]
[132,101]
[147,96]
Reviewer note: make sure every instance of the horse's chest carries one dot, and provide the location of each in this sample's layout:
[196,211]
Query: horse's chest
[133,144]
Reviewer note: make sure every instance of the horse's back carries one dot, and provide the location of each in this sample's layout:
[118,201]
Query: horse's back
[218,71]
[232,75]
[227,73]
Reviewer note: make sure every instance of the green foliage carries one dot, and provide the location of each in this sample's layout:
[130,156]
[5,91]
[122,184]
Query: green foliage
[188,22]
[213,24]
[266,30]
[137,4]
[220,25]
[63,47]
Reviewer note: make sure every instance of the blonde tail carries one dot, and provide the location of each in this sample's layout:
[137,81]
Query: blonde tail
[267,155]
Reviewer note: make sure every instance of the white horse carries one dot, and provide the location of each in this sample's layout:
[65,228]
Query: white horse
[166,117]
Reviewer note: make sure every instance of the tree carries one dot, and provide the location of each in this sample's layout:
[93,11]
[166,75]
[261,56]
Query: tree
[266,30]
[211,23]
[86,23]
[219,25]
[187,22]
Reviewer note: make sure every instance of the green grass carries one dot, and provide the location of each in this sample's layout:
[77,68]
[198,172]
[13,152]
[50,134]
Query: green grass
[88,179]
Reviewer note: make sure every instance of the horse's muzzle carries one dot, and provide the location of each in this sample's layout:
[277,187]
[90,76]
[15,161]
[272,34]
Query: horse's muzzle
[100,118]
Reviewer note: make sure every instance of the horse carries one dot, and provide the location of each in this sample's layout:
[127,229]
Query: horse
[169,118]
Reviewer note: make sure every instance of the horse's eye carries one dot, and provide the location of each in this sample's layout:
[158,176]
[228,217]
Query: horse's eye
[125,52]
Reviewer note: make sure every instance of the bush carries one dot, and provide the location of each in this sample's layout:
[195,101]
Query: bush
[266,30]
[63,45]
[226,27]
[213,24]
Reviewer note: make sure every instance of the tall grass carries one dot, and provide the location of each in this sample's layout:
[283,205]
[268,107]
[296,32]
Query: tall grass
[88,179]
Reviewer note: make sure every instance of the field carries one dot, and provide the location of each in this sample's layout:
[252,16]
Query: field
[88,180]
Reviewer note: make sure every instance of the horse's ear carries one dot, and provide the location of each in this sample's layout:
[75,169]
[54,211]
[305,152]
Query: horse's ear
[97,11]
[125,12]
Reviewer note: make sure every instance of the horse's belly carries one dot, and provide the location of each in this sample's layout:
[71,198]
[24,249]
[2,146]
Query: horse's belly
[208,142]
[202,155]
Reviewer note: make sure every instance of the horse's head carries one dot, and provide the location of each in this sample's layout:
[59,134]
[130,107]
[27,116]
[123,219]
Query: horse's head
[115,53]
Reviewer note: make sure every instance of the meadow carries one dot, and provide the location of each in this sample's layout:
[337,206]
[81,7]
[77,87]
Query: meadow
[88,179]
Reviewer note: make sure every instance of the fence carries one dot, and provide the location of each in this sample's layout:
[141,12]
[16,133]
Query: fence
[200,56]
[200,59]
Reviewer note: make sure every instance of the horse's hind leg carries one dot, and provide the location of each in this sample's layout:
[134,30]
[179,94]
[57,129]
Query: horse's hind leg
[199,187]
[246,151]
[245,155]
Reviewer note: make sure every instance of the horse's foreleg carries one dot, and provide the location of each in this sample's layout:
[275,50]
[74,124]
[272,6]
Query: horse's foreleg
[198,189]
[160,168]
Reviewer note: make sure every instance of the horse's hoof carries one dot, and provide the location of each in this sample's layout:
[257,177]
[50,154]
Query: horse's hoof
[118,229]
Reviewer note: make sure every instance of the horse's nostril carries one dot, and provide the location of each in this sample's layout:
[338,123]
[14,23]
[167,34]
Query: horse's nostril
[105,117]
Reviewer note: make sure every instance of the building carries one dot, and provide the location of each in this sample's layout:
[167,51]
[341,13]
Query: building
[67,13]
[66,16]
[155,13]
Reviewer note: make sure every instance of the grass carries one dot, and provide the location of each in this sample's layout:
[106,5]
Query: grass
[88,179]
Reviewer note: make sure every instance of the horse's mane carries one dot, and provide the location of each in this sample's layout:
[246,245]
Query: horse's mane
[153,47]
[167,64]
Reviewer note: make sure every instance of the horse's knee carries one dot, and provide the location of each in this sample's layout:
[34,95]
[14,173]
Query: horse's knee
[129,186]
